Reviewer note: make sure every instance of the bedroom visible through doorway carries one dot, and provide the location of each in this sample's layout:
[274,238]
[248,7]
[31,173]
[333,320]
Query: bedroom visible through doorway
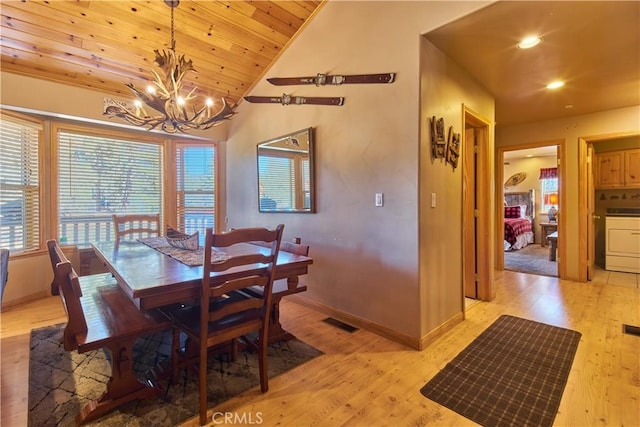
[531,204]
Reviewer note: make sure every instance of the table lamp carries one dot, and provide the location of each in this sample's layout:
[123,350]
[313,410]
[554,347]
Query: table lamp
[552,199]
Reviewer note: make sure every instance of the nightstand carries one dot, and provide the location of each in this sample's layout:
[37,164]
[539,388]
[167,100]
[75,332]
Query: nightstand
[546,229]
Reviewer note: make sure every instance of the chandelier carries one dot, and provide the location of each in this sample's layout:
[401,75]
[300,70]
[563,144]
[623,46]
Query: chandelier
[167,97]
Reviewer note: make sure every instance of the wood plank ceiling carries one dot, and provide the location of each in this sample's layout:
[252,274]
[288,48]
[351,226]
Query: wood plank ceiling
[104,44]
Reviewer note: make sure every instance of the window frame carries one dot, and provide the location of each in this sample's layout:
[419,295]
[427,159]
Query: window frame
[38,234]
[174,192]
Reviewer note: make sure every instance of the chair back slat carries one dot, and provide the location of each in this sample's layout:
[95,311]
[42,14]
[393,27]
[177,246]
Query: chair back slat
[240,260]
[131,226]
[67,283]
[236,284]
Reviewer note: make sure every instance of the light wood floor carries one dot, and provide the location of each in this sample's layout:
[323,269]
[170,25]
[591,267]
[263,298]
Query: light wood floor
[365,380]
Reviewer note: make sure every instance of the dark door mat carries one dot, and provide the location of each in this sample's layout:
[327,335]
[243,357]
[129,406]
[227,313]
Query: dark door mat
[339,324]
[631,330]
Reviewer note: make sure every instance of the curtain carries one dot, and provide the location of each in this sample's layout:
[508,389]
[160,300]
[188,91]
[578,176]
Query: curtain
[548,173]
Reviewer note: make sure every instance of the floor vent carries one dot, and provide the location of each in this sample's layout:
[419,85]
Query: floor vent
[631,330]
[339,324]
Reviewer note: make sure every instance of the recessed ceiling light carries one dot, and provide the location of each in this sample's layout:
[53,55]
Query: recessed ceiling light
[568,106]
[529,155]
[529,42]
[555,85]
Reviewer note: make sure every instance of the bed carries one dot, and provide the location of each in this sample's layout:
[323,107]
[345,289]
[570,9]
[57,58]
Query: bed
[519,211]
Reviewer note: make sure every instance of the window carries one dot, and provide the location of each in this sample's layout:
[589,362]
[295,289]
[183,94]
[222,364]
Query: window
[19,184]
[102,175]
[195,179]
[549,188]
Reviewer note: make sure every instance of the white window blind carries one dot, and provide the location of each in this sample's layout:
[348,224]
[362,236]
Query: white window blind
[101,175]
[19,184]
[195,178]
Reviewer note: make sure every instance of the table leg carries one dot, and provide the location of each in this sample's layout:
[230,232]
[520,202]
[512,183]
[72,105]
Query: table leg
[123,386]
[553,245]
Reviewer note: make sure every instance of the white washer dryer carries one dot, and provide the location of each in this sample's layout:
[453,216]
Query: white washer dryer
[622,240]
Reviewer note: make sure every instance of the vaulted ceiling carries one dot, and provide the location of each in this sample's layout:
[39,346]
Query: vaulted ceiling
[104,44]
[593,45]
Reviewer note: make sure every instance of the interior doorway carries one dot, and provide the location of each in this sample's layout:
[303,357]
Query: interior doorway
[529,181]
[595,202]
[477,259]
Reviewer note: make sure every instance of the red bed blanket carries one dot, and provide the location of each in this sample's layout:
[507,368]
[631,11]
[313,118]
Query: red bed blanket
[513,227]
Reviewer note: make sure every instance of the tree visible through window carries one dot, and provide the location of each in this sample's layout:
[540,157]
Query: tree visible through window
[99,176]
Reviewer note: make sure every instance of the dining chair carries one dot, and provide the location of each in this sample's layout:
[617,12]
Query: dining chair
[130,226]
[226,313]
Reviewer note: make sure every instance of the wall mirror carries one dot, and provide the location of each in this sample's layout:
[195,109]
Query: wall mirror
[285,173]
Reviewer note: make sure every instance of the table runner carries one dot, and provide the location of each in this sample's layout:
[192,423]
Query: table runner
[190,258]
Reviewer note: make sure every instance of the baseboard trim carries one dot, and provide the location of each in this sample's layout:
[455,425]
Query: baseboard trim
[393,335]
[23,300]
[426,340]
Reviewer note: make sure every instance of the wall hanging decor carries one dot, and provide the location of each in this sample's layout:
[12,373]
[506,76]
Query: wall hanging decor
[295,100]
[326,79]
[438,142]
[453,148]
[515,179]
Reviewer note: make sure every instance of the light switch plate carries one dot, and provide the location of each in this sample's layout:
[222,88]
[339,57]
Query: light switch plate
[379,199]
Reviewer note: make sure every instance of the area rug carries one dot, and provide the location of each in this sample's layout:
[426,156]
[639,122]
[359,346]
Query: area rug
[61,382]
[513,374]
[532,259]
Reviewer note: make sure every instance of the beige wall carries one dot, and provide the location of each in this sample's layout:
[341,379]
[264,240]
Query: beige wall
[366,259]
[445,88]
[571,129]
[26,94]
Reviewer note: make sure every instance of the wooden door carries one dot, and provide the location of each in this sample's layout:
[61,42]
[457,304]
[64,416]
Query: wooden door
[591,236]
[469,228]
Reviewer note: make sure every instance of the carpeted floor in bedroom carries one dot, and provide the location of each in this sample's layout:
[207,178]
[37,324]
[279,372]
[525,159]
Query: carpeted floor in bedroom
[532,259]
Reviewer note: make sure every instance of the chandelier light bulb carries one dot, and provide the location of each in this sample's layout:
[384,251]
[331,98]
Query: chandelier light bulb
[180,101]
[209,102]
[151,90]
[137,103]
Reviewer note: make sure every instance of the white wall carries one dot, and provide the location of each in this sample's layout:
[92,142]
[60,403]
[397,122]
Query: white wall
[571,129]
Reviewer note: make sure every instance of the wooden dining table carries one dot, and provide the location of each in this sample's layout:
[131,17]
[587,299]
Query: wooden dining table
[153,279]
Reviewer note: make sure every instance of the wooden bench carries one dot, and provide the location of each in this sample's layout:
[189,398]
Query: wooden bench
[99,316]
[282,288]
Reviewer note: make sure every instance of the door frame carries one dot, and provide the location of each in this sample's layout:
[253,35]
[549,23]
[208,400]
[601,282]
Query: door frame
[561,155]
[583,189]
[484,195]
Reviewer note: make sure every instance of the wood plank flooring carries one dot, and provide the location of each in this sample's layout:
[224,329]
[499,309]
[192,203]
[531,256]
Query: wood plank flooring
[366,380]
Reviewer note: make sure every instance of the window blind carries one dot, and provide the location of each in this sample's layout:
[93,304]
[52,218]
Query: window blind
[19,184]
[195,179]
[277,182]
[102,175]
